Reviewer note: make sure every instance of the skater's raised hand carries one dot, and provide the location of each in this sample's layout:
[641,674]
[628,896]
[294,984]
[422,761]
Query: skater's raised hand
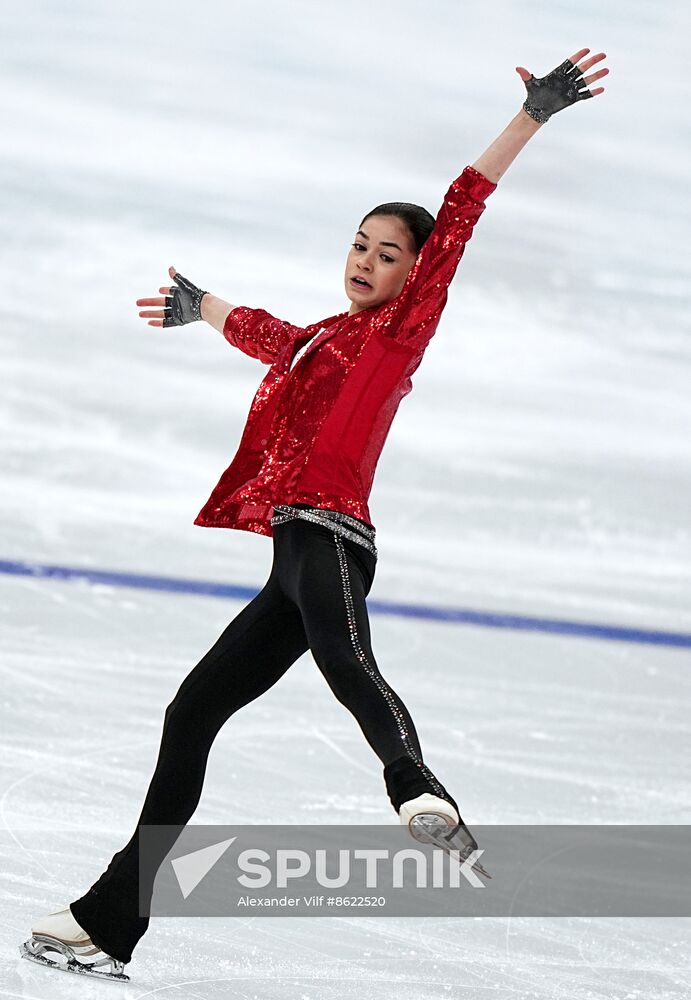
[562,87]
[181,304]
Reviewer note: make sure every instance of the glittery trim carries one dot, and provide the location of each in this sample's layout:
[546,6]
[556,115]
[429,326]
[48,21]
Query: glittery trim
[374,674]
[339,523]
[536,114]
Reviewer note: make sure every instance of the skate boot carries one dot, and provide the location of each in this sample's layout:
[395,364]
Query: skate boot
[433,820]
[427,809]
[58,942]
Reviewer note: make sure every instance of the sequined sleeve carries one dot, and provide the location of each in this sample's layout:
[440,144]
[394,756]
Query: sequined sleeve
[415,312]
[258,333]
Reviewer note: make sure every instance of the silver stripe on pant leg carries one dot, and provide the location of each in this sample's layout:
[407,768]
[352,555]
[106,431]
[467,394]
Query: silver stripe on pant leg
[375,676]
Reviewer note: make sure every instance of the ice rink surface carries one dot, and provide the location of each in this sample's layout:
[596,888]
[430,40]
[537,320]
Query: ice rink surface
[540,467]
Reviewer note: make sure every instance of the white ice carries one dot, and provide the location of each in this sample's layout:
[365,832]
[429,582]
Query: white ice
[541,465]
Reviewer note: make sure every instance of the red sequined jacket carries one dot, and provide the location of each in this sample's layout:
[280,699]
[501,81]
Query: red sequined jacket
[315,430]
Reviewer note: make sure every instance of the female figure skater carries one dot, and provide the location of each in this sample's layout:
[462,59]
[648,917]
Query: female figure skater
[303,474]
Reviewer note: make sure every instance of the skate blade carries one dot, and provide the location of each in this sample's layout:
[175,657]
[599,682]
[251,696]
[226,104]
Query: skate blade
[431,828]
[38,949]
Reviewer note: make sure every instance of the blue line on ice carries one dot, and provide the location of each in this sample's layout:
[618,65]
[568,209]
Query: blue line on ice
[465,616]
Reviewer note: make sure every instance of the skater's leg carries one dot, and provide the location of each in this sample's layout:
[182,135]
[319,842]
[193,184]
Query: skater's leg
[329,577]
[253,652]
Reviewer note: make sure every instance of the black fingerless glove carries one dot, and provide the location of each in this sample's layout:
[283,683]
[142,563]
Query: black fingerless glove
[551,93]
[184,304]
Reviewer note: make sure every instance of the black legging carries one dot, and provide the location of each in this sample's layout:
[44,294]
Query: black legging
[314,599]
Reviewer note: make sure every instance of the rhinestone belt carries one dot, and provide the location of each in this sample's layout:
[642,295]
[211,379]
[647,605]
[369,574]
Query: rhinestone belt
[341,524]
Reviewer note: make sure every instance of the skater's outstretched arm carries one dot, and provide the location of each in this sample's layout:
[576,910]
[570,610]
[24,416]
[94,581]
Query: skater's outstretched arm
[412,317]
[545,96]
[253,331]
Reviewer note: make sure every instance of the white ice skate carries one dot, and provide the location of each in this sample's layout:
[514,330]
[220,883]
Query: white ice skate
[433,820]
[58,942]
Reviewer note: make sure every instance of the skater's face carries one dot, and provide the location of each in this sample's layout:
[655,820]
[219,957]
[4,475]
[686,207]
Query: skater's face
[380,258]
